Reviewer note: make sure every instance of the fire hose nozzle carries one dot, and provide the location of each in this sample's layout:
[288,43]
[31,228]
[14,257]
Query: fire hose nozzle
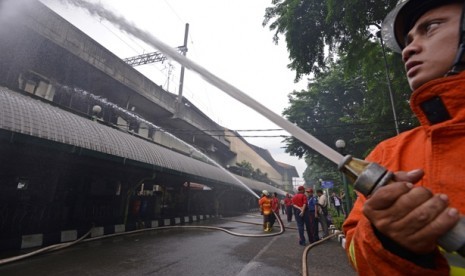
[367,178]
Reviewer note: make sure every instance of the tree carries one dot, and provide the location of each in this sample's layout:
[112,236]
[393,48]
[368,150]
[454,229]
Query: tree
[330,105]
[260,176]
[318,30]
[246,169]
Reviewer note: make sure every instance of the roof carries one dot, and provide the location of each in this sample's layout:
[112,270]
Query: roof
[291,169]
[23,114]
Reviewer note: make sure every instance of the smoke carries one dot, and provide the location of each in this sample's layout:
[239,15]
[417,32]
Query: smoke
[124,25]
[10,10]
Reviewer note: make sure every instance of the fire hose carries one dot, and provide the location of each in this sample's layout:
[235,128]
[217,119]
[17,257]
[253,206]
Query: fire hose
[84,238]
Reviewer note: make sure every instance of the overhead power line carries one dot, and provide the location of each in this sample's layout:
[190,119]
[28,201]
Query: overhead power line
[277,129]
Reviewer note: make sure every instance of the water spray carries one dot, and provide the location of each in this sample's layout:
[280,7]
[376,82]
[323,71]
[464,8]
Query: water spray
[366,177]
[104,102]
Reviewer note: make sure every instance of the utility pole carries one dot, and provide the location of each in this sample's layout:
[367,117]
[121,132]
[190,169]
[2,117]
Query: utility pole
[159,57]
[181,78]
[391,97]
[388,78]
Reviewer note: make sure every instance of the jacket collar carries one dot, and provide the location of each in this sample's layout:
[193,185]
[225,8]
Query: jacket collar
[440,101]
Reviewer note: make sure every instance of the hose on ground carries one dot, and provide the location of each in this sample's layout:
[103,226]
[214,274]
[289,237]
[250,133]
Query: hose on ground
[59,246]
[312,245]
[45,249]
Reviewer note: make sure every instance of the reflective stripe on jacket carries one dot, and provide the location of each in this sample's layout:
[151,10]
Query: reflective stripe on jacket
[438,147]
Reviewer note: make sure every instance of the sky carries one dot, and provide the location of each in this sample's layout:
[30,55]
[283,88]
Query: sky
[227,38]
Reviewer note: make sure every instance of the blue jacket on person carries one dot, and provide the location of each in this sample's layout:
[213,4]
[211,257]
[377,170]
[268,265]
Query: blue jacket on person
[311,202]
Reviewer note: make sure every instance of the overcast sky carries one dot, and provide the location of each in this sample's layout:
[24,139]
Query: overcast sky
[226,37]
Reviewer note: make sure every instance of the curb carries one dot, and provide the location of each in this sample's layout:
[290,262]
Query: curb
[44,239]
[341,238]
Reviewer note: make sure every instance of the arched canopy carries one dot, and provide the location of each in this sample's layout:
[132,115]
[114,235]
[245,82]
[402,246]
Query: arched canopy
[32,117]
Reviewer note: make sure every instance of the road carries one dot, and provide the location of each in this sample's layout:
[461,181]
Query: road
[190,251]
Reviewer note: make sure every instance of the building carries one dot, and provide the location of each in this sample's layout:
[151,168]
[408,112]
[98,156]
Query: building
[84,140]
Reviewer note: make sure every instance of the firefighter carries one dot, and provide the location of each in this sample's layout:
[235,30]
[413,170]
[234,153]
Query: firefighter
[264,204]
[395,231]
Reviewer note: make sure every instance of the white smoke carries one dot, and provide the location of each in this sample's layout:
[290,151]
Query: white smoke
[10,10]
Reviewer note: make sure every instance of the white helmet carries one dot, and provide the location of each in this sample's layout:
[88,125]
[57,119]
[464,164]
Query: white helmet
[265,192]
[401,19]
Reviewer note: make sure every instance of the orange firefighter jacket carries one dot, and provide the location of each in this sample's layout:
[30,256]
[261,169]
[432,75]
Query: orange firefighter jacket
[437,147]
[265,205]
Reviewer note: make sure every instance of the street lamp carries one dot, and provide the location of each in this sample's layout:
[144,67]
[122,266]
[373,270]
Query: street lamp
[340,145]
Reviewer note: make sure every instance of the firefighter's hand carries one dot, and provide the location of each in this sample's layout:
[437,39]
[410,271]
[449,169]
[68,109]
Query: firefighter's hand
[411,216]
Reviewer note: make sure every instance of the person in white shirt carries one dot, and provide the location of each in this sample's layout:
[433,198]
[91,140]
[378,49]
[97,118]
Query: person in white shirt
[323,212]
[337,202]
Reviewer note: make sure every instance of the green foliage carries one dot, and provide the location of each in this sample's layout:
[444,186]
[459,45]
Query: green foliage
[319,30]
[247,170]
[303,23]
[260,176]
[337,221]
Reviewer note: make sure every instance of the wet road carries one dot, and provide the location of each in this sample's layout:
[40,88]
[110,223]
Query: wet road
[190,252]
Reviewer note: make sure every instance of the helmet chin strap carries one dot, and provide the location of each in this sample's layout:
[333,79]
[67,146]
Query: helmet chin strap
[459,65]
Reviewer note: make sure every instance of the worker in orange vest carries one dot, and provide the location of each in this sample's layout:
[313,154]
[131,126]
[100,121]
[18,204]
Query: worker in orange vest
[265,209]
